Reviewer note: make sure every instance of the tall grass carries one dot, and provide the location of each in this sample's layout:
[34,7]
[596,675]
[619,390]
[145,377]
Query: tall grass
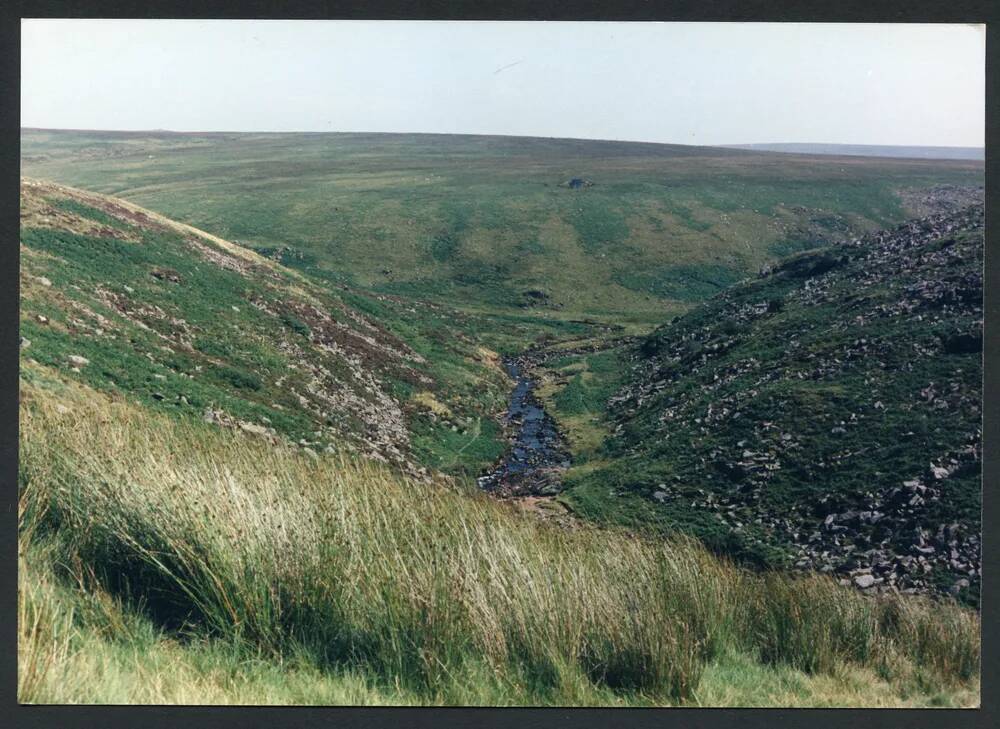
[212,536]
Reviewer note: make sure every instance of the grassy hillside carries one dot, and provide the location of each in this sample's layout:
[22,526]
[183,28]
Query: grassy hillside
[490,222]
[825,416]
[187,323]
[166,560]
[245,464]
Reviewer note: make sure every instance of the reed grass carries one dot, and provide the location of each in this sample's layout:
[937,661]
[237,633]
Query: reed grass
[428,593]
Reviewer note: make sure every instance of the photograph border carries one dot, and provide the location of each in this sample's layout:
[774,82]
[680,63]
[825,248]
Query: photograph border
[151,717]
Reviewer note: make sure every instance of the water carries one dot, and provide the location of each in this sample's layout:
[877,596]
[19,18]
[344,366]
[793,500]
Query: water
[537,457]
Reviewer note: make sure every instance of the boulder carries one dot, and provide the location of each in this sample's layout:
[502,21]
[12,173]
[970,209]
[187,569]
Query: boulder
[864,581]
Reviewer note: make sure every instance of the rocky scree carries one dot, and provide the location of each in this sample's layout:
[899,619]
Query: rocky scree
[828,414]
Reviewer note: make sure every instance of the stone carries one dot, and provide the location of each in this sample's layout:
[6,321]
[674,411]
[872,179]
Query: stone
[44,281]
[660,496]
[77,361]
[24,343]
[253,428]
[864,581]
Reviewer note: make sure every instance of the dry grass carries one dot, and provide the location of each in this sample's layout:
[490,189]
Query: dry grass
[443,596]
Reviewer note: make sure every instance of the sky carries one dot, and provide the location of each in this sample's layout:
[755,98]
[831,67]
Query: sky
[684,83]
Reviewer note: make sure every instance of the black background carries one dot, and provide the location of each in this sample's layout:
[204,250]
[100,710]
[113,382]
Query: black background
[935,11]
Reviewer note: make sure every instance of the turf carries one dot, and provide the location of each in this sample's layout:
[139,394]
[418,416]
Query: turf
[478,221]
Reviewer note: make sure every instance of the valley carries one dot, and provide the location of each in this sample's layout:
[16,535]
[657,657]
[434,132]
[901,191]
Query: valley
[492,224]
[741,387]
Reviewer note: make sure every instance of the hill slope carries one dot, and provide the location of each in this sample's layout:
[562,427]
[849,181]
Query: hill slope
[493,221]
[166,560]
[188,323]
[869,150]
[826,415]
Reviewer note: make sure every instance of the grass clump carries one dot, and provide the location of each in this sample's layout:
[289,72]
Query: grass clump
[231,555]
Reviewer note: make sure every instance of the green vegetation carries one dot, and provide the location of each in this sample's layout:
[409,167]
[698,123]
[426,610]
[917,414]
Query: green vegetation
[575,392]
[186,325]
[688,283]
[246,461]
[474,221]
[227,570]
[834,405]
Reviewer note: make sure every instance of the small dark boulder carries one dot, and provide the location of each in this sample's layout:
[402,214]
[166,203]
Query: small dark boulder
[166,274]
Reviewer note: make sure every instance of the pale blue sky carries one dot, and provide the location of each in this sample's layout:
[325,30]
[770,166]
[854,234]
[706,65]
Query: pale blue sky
[688,83]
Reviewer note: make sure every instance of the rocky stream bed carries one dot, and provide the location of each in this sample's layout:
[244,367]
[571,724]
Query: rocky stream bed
[537,456]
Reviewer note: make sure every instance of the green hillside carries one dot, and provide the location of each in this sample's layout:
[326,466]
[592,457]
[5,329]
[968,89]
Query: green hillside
[491,222]
[187,323]
[247,448]
[166,560]
[824,416]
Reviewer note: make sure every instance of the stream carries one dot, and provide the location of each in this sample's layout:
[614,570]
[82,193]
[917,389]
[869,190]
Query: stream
[537,456]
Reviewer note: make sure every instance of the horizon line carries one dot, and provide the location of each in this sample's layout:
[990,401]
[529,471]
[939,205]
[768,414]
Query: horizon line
[726,145]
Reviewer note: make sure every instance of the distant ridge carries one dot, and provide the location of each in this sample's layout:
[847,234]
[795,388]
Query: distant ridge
[868,150]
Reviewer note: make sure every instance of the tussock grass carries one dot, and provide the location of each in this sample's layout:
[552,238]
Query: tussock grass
[433,594]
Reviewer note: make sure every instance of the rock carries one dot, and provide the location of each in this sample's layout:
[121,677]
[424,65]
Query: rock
[166,274]
[42,319]
[44,281]
[864,581]
[77,361]
[61,409]
[660,496]
[253,428]
[311,453]
[24,342]
[157,395]
[960,584]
